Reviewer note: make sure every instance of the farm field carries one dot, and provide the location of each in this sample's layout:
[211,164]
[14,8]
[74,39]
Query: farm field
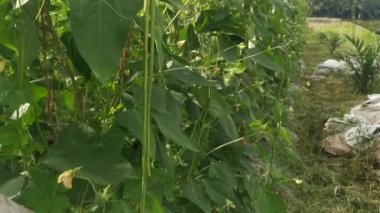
[332,184]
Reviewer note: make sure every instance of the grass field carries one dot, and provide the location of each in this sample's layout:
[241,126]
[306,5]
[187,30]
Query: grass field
[331,184]
[343,28]
[370,25]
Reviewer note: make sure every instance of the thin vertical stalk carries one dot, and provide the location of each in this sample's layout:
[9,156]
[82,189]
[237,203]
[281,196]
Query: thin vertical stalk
[149,13]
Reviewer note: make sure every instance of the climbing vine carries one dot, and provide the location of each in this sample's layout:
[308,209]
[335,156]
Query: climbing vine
[166,105]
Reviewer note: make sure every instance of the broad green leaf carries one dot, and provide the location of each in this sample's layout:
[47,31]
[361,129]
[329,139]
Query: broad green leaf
[172,131]
[186,75]
[202,95]
[270,202]
[284,134]
[159,34]
[154,205]
[214,192]
[25,39]
[13,96]
[224,172]
[67,99]
[12,138]
[162,183]
[218,191]
[229,126]
[99,156]
[132,189]
[176,3]
[133,121]
[193,192]
[167,162]
[192,39]
[221,20]
[228,47]
[38,92]
[264,59]
[73,52]
[119,206]
[20,33]
[5,29]
[159,99]
[19,3]
[44,194]
[218,105]
[100,29]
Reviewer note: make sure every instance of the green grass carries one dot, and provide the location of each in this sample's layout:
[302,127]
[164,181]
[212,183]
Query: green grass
[370,25]
[342,28]
[345,28]
[331,184]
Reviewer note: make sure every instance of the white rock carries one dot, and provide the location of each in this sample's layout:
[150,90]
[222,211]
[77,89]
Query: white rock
[8,206]
[330,66]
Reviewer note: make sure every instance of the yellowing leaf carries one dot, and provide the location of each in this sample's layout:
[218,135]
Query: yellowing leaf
[66,178]
[181,43]
[2,65]
[298,181]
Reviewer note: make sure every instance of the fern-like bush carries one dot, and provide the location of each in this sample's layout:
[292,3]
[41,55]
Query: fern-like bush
[363,62]
[333,40]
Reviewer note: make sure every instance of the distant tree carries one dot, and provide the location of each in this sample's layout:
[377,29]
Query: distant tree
[347,9]
[370,9]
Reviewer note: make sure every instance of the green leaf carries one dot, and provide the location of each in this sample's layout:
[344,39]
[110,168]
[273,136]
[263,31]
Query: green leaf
[218,191]
[218,105]
[44,194]
[229,126]
[20,33]
[19,3]
[284,134]
[73,52]
[132,120]
[269,202]
[176,3]
[100,28]
[191,77]
[67,99]
[224,172]
[264,59]
[159,99]
[228,46]
[193,192]
[154,205]
[99,156]
[221,20]
[192,39]
[170,130]
[119,206]
[38,92]
[26,39]
[12,138]
[5,35]
[160,57]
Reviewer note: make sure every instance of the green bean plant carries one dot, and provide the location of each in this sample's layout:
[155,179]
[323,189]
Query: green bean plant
[147,106]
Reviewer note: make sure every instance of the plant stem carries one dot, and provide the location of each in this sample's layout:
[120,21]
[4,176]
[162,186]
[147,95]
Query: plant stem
[149,13]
